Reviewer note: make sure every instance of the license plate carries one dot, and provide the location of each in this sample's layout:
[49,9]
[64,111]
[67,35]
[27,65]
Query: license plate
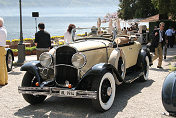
[67,93]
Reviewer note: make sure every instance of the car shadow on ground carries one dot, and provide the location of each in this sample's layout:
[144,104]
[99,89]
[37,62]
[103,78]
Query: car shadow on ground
[55,107]
[14,73]
[160,69]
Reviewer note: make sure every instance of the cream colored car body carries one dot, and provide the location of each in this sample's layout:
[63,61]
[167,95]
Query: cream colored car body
[131,54]
[96,51]
[100,51]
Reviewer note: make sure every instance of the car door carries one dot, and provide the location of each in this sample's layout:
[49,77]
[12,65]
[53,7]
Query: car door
[131,52]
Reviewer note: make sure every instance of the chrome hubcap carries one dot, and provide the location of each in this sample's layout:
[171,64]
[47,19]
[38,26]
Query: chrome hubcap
[9,60]
[109,91]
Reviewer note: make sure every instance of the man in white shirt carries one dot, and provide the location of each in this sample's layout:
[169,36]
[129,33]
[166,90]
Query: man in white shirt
[3,33]
[3,68]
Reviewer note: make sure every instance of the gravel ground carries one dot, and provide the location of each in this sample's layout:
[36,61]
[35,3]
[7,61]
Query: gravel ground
[135,100]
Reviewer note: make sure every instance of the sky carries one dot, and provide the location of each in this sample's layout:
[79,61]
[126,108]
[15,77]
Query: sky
[59,3]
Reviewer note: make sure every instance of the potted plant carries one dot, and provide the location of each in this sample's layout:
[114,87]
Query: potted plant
[15,41]
[28,50]
[15,52]
[8,42]
[28,40]
[33,50]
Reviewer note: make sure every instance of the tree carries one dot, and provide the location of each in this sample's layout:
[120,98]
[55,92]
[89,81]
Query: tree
[127,9]
[136,9]
[164,9]
[145,8]
[155,3]
[173,9]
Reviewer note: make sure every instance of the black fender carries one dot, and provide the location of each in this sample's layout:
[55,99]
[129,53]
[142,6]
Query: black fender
[141,57]
[169,93]
[32,67]
[9,51]
[97,71]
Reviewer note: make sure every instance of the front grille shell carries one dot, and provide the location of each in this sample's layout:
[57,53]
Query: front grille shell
[64,70]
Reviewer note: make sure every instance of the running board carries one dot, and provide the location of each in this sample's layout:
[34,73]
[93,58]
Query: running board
[133,76]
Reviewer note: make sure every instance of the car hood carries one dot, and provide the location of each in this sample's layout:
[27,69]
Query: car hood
[90,45]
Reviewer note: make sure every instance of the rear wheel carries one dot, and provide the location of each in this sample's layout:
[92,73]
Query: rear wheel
[105,87]
[145,68]
[121,68]
[29,80]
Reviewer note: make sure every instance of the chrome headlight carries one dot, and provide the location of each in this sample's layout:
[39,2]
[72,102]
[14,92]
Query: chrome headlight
[45,59]
[79,60]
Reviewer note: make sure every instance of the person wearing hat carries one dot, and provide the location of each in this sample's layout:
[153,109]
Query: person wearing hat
[3,67]
[94,32]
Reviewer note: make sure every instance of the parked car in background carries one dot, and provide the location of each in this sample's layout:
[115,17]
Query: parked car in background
[91,67]
[9,59]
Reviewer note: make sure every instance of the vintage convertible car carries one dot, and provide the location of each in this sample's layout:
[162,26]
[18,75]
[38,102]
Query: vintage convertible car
[91,67]
[9,59]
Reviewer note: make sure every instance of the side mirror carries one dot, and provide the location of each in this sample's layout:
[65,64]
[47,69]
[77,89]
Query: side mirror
[113,44]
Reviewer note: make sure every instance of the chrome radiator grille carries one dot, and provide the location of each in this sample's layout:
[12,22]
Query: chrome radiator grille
[63,66]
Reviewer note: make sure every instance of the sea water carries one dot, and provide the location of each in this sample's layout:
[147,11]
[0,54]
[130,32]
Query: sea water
[55,19]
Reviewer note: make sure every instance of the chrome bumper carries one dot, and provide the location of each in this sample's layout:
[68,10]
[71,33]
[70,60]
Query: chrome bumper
[54,91]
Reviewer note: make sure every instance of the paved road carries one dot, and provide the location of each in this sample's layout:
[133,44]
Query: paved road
[136,100]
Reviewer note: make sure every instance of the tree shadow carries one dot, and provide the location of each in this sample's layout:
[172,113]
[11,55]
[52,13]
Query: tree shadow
[55,107]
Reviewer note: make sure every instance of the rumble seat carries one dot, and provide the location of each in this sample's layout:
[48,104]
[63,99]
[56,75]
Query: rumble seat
[122,40]
[125,40]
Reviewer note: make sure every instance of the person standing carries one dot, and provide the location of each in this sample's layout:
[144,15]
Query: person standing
[68,35]
[42,40]
[173,37]
[158,43]
[169,33]
[3,66]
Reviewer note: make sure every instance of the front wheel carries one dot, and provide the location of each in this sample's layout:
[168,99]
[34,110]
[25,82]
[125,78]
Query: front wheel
[105,87]
[29,80]
[145,68]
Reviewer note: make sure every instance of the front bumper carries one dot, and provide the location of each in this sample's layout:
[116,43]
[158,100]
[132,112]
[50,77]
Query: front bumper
[60,92]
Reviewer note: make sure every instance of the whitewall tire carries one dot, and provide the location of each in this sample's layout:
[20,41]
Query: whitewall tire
[106,89]
[145,69]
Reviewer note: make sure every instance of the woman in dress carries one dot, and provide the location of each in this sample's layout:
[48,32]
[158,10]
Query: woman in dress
[68,35]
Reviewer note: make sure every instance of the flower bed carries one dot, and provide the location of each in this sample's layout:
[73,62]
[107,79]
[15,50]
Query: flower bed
[28,51]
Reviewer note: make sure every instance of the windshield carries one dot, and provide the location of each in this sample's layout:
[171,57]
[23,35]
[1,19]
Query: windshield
[93,33]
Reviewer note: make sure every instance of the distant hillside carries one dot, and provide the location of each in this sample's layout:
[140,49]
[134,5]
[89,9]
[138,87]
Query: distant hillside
[59,3]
